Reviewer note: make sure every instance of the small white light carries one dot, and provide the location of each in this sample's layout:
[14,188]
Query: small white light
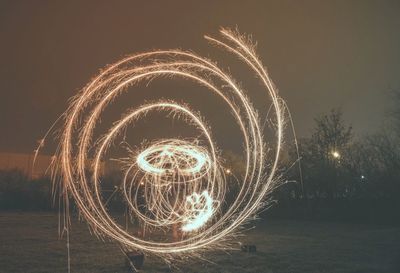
[335,154]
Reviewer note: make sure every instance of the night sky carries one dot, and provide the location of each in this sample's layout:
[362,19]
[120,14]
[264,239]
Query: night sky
[320,54]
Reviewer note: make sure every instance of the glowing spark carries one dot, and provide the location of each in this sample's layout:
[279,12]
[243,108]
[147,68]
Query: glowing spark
[179,182]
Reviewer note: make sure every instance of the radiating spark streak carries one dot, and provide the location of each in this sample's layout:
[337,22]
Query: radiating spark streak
[182,182]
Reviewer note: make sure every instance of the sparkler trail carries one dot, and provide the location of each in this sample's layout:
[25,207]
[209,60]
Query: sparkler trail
[170,182]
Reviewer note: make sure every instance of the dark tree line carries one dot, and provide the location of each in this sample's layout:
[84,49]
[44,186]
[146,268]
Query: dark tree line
[18,192]
[344,176]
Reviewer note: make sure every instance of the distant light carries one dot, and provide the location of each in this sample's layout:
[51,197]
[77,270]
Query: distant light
[362,176]
[336,154]
[228,171]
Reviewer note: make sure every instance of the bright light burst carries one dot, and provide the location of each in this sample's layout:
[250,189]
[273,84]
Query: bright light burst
[170,182]
[171,173]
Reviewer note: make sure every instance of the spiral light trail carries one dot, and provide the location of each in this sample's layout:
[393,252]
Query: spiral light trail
[170,182]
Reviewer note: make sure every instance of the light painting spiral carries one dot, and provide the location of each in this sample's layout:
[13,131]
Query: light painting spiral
[170,183]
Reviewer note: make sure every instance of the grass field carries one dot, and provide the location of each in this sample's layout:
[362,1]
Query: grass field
[29,243]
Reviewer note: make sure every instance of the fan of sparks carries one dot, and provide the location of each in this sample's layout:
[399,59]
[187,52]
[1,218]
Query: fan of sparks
[170,183]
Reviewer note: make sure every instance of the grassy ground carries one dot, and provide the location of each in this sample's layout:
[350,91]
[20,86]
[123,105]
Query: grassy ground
[29,243]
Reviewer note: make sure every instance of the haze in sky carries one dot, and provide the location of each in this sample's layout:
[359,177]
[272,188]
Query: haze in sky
[320,54]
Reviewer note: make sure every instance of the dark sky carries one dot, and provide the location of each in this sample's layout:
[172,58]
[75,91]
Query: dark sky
[320,54]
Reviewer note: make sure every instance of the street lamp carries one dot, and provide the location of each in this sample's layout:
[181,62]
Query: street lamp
[335,154]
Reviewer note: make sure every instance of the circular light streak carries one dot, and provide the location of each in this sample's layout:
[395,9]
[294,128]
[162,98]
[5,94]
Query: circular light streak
[174,177]
[174,154]
[180,182]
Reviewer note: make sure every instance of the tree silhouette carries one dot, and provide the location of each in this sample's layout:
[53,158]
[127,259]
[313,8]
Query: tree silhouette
[323,154]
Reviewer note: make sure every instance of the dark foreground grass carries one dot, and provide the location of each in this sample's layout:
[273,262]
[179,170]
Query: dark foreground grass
[29,243]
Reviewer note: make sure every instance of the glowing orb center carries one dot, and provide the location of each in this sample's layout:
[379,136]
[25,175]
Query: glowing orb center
[176,180]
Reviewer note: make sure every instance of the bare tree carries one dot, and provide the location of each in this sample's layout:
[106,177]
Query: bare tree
[323,155]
